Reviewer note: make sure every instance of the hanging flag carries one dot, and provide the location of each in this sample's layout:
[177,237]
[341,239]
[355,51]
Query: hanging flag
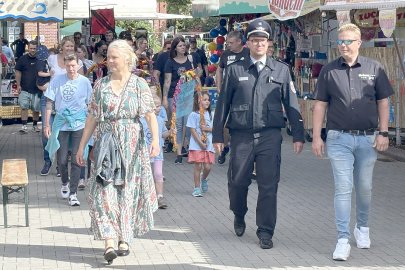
[343,17]
[102,20]
[387,20]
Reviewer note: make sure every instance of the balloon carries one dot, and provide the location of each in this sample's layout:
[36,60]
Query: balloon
[220,47]
[218,52]
[220,40]
[211,46]
[214,58]
[222,31]
[214,32]
[222,22]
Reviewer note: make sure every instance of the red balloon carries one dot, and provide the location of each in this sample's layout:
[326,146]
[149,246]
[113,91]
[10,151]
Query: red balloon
[218,52]
[220,40]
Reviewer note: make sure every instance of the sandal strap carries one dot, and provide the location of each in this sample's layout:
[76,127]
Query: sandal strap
[109,249]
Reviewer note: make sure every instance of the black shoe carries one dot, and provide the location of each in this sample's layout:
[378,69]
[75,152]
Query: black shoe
[122,252]
[184,152]
[221,159]
[239,226]
[110,255]
[179,160]
[266,243]
[169,148]
[46,168]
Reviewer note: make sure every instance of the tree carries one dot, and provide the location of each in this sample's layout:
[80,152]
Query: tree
[188,25]
[153,39]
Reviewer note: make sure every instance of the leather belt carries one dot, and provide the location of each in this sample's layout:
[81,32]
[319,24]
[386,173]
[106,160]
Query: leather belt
[357,132]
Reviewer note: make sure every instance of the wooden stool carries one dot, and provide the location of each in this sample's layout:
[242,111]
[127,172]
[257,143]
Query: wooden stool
[14,177]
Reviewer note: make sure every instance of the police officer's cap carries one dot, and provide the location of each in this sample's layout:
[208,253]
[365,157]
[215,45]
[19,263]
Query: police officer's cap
[258,28]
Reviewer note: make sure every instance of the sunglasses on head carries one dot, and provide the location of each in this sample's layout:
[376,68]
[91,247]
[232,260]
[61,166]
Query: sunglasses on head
[345,41]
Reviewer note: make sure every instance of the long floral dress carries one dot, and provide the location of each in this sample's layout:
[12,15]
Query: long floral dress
[123,210]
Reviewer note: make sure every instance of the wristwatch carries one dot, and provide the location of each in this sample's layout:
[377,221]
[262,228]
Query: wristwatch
[383,133]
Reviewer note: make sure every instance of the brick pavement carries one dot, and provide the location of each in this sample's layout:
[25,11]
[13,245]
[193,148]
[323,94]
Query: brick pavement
[197,233]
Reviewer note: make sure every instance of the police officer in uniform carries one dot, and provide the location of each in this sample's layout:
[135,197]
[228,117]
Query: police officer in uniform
[251,103]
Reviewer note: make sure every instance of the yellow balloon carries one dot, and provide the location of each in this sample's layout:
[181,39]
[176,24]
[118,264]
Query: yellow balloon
[212,46]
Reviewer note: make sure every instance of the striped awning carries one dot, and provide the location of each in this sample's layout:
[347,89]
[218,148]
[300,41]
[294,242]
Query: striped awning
[354,4]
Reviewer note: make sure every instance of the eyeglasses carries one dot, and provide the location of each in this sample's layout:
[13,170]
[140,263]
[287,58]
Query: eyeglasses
[77,37]
[258,41]
[345,41]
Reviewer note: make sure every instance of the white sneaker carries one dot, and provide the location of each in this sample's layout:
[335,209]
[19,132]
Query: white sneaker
[24,129]
[73,201]
[81,184]
[362,237]
[64,191]
[342,251]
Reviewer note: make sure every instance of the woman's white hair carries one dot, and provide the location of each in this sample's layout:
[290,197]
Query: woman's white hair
[123,47]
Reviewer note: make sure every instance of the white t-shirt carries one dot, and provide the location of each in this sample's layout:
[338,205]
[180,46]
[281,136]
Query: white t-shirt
[70,94]
[193,121]
[57,70]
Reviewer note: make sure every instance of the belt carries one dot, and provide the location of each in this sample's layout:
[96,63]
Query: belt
[357,132]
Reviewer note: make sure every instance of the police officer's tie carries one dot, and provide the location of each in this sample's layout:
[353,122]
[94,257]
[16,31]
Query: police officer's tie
[258,65]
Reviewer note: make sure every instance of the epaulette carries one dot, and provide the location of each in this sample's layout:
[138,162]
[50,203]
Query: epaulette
[282,62]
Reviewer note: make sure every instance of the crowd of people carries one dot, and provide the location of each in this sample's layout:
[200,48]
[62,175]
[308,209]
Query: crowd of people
[99,110]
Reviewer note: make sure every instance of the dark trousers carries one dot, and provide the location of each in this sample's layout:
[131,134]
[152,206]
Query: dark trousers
[265,150]
[69,140]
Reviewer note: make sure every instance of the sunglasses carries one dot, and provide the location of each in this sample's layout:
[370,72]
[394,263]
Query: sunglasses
[345,41]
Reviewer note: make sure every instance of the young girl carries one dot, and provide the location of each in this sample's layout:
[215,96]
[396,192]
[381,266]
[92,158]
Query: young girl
[201,153]
[157,162]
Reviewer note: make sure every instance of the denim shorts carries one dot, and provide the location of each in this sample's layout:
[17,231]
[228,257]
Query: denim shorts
[30,101]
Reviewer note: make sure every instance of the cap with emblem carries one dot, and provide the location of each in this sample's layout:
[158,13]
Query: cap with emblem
[258,28]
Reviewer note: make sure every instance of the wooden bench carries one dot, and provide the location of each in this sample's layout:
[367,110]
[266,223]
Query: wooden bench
[14,177]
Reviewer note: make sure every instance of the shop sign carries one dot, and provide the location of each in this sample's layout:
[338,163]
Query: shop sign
[343,16]
[369,17]
[286,9]
[387,21]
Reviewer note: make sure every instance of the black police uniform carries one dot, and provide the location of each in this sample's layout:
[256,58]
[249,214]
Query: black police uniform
[250,104]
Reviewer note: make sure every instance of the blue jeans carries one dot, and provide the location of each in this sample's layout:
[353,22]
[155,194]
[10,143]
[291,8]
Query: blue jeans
[352,159]
[45,139]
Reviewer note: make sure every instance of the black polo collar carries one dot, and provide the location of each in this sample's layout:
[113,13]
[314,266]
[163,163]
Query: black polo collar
[360,61]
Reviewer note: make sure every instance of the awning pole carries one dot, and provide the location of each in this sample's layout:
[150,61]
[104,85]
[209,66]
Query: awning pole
[398,94]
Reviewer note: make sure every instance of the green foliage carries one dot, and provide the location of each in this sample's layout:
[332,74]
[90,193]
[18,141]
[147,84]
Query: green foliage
[153,39]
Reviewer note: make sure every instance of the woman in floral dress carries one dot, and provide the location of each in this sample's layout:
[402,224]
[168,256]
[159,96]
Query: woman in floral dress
[123,209]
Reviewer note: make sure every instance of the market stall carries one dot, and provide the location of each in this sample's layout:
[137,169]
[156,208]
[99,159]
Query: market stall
[24,11]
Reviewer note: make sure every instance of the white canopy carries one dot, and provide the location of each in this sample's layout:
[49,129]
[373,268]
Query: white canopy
[123,9]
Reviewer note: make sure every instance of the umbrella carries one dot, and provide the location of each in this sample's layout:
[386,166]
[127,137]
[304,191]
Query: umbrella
[32,10]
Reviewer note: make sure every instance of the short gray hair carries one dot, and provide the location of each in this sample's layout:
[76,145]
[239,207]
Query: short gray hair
[123,47]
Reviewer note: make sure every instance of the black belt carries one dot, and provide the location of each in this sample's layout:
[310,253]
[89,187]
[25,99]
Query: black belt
[358,132]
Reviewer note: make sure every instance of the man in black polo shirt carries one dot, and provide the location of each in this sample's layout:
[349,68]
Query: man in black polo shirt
[355,91]
[19,46]
[26,77]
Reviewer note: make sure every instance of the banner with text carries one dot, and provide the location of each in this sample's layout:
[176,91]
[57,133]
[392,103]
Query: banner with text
[387,21]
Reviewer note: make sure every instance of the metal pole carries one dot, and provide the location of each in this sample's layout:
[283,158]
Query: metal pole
[398,108]
[398,94]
